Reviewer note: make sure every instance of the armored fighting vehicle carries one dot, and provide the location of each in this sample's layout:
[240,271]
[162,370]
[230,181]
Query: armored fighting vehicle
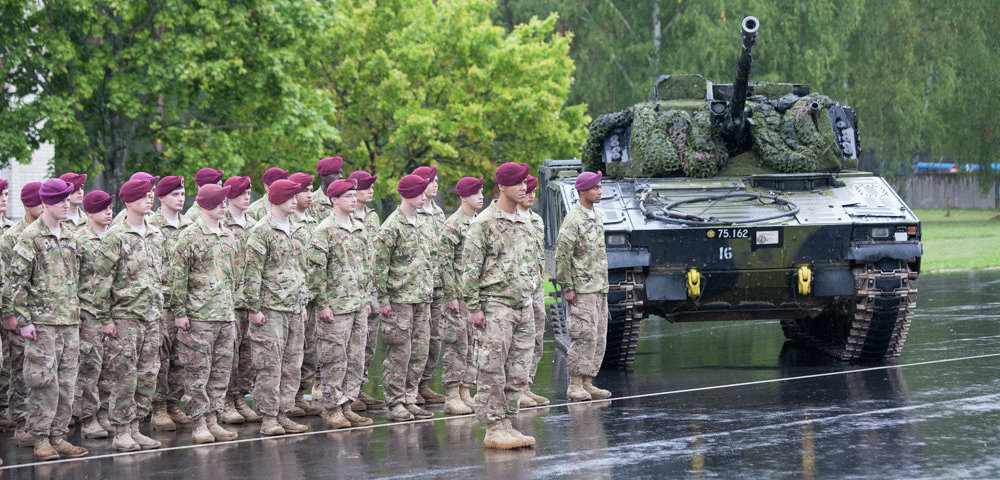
[742,201]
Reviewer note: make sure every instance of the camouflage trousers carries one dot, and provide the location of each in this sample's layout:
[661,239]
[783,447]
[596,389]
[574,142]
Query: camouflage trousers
[132,362]
[170,379]
[206,352]
[277,360]
[309,351]
[374,322]
[17,390]
[434,347]
[241,378]
[50,368]
[341,346]
[406,334]
[588,332]
[503,357]
[457,368]
[89,391]
[538,311]
[4,370]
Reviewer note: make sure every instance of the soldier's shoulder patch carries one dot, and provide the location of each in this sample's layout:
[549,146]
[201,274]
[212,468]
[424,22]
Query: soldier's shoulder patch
[24,251]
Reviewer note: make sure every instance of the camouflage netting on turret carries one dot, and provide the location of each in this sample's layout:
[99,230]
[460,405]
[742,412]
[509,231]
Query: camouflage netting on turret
[600,128]
[799,140]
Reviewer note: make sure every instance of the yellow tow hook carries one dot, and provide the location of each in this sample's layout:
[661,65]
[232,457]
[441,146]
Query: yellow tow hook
[693,283]
[805,275]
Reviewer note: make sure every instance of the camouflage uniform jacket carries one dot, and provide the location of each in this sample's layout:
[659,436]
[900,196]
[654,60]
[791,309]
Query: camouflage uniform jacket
[434,219]
[88,247]
[5,224]
[538,234]
[7,242]
[72,225]
[340,266]
[455,229]
[303,226]
[496,259]
[258,209]
[369,217]
[321,207]
[43,277]
[240,234]
[403,268]
[275,279]
[193,213]
[201,274]
[170,235]
[131,266]
[581,257]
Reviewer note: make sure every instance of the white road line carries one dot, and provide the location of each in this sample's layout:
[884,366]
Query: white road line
[449,417]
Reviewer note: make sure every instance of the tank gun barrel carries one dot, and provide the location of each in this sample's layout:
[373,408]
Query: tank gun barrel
[735,124]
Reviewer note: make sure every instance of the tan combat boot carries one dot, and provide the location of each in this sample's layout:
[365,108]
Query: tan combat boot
[6,424]
[454,405]
[498,437]
[22,438]
[522,439]
[161,420]
[306,406]
[595,393]
[358,406]
[102,418]
[355,419]
[123,441]
[526,401]
[200,433]
[144,442]
[180,418]
[575,392]
[466,393]
[92,428]
[290,426]
[220,434]
[43,449]
[229,413]
[398,413]
[245,411]
[539,400]
[66,449]
[430,396]
[270,426]
[371,402]
[335,419]
[418,412]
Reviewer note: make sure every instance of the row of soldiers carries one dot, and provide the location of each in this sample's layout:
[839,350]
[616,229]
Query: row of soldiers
[111,320]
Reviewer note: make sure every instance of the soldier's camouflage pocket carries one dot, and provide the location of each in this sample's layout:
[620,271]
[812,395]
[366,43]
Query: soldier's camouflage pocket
[39,364]
[193,350]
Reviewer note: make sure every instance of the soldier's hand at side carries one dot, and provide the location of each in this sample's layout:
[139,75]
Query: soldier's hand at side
[256,318]
[110,330]
[452,305]
[28,331]
[386,311]
[182,323]
[368,310]
[570,297]
[478,319]
[10,324]
[326,315]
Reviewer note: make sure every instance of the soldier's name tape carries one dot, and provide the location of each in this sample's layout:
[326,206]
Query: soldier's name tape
[560,405]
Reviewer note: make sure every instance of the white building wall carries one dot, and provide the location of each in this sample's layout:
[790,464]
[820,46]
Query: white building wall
[19,174]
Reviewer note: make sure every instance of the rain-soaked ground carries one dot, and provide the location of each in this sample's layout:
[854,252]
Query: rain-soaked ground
[704,400]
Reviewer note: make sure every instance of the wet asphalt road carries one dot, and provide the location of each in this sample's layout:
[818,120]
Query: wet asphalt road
[704,400]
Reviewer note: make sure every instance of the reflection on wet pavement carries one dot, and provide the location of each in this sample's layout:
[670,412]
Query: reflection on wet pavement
[704,400]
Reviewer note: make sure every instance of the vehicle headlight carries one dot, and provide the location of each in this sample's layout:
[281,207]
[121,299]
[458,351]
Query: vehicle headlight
[880,232]
[616,239]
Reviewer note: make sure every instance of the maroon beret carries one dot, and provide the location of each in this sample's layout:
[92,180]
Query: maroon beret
[29,194]
[144,176]
[211,195]
[588,180]
[206,176]
[3,185]
[304,180]
[511,173]
[55,190]
[365,180]
[96,201]
[281,190]
[168,184]
[329,166]
[237,185]
[76,179]
[468,186]
[531,183]
[340,187]
[272,174]
[427,173]
[134,190]
[412,186]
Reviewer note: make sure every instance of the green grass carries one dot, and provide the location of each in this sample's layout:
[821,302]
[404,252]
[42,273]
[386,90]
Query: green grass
[967,239]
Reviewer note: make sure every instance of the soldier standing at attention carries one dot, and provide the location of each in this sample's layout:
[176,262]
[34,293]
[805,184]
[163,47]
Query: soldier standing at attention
[75,219]
[275,293]
[5,222]
[369,217]
[340,273]
[14,357]
[43,291]
[329,169]
[204,176]
[91,396]
[433,221]
[262,207]
[404,281]
[458,374]
[170,378]
[582,272]
[201,303]
[136,176]
[130,300]
[537,234]
[6,424]
[498,278]
[303,225]
[241,378]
